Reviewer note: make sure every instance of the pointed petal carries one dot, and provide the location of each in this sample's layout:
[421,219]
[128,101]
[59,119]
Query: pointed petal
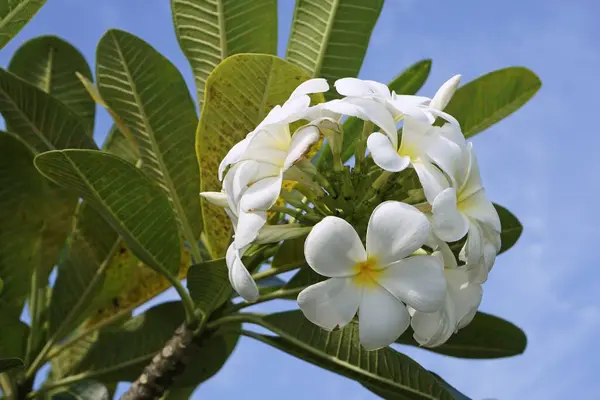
[442,97]
[242,281]
[432,179]
[381,318]
[262,194]
[316,85]
[333,248]
[248,226]
[384,154]
[417,281]
[218,199]
[448,223]
[395,231]
[331,303]
[302,139]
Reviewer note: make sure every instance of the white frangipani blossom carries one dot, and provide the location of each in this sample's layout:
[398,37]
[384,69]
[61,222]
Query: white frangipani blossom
[380,281]
[462,301]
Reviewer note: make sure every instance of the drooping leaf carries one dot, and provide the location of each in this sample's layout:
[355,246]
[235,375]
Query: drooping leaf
[14,15]
[43,122]
[150,96]
[392,395]
[485,337]
[211,356]
[453,391]
[329,39]
[22,191]
[50,63]
[492,97]
[7,364]
[209,31]
[208,284]
[85,390]
[340,352]
[407,82]
[143,216]
[239,94]
[511,228]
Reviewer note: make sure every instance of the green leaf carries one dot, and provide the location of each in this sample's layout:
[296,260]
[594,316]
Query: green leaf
[329,39]
[40,120]
[407,82]
[14,15]
[50,63]
[150,96]
[86,390]
[209,31]
[239,94]
[22,191]
[211,356]
[485,337]
[455,393]
[277,233]
[117,143]
[208,284]
[492,97]
[340,352]
[7,364]
[511,228]
[290,253]
[391,395]
[143,216]
[13,340]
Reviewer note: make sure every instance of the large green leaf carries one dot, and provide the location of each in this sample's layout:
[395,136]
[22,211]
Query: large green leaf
[14,15]
[209,31]
[208,284]
[329,38]
[486,100]
[407,82]
[391,395]
[486,336]
[7,364]
[511,228]
[50,63]
[86,390]
[340,352]
[118,144]
[239,94]
[143,216]
[290,253]
[13,339]
[150,96]
[22,191]
[42,121]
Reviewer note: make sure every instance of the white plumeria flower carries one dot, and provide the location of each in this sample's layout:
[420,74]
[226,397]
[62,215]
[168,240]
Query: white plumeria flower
[378,282]
[463,298]
[419,107]
[294,109]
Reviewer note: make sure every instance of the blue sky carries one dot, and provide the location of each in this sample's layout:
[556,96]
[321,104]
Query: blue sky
[540,163]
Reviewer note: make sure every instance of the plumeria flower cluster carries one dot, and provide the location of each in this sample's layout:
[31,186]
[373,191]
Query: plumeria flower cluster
[389,263]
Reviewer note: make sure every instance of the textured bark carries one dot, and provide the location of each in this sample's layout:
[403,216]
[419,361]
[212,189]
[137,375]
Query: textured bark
[167,365]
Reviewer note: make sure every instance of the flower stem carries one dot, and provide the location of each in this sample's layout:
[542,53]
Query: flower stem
[278,294]
[361,146]
[276,271]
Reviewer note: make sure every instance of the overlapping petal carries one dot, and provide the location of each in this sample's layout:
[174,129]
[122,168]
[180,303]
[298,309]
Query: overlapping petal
[382,318]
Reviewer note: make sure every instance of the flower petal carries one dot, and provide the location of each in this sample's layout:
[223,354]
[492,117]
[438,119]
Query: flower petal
[395,231]
[417,281]
[218,199]
[234,155]
[381,318]
[384,154]
[355,87]
[331,303]
[448,223]
[432,179]
[466,295]
[434,329]
[302,139]
[472,181]
[333,248]
[442,97]
[248,226]
[242,281]
[448,156]
[315,85]
[262,194]
[269,145]
[478,206]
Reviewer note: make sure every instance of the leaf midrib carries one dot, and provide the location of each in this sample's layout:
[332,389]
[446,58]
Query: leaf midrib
[326,35]
[108,209]
[13,12]
[48,70]
[174,197]
[222,31]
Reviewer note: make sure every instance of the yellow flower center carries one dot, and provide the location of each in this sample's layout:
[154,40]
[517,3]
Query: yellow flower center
[367,273]
[409,151]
